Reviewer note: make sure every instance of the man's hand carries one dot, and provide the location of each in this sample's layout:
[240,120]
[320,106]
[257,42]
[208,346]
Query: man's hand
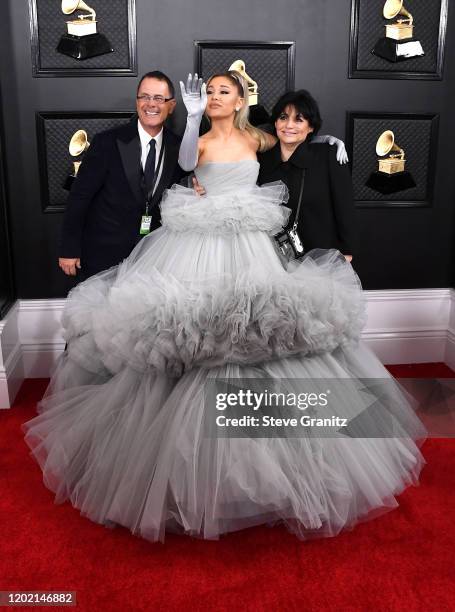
[69,265]
[348,258]
[194,96]
[198,188]
[342,156]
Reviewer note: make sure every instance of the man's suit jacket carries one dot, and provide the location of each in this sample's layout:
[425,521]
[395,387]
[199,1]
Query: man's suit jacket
[326,217]
[106,202]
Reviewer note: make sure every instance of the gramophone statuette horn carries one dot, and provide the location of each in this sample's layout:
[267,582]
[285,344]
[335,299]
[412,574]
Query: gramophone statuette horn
[69,6]
[395,161]
[392,8]
[82,39]
[78,144]
[253,94]
[402,28]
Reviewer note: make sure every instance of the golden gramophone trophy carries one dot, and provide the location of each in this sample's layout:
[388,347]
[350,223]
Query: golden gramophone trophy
[82,39]
[398,43]
[391,175]
[78,144]
[258,115]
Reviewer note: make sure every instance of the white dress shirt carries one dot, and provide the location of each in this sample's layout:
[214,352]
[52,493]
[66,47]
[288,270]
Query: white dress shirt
[145,146]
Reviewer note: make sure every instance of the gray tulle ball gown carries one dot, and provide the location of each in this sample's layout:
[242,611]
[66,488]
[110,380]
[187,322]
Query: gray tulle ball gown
[120,429]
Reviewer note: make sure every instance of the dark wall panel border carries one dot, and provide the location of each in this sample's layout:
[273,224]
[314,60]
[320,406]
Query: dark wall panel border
[7,292]
[116,21]
[367,26]
[271,64]
[416,133]
[54,131]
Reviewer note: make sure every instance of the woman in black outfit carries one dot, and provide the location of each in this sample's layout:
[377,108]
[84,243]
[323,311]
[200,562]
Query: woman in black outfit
[326,218]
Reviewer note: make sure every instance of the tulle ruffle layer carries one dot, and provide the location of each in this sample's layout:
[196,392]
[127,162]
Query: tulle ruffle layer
[171,325]
[251,208]
[132,450]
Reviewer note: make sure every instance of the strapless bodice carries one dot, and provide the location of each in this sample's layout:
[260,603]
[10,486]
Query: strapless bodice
[233,203]
[224,177]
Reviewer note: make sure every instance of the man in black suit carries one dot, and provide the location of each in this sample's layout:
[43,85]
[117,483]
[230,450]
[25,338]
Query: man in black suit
[326,218]
[115,198]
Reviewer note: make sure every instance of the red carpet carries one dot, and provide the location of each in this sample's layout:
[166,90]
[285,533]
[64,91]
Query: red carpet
[401,561]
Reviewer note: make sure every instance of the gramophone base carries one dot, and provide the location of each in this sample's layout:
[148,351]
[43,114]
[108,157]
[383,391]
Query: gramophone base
[396,51]
[390,183]
[83,47]
[68,182]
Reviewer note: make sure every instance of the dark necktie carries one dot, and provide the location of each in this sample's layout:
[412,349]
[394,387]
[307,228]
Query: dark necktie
[149,170]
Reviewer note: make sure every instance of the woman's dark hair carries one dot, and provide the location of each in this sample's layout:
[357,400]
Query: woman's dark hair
[304,103]
[159,76]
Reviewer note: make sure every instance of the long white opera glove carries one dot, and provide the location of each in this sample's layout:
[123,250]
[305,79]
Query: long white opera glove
[342,156]
[194,97]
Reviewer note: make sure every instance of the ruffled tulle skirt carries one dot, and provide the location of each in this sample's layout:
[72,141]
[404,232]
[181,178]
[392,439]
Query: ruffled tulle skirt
[122,429]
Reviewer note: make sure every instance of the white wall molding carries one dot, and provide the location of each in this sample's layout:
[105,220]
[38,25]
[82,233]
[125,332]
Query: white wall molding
[409,325]
[449,357]
[404,326]
[11,365]
[40,335]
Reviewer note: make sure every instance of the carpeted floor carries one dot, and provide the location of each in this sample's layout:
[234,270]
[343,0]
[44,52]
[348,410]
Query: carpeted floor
[402,560]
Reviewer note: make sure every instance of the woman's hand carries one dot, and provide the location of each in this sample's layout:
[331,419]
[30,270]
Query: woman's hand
[348,258]
[194,96]
[198,188]
[342,156]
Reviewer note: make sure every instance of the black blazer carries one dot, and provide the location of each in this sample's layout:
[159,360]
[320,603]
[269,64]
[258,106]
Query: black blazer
[326,217]
[102,217]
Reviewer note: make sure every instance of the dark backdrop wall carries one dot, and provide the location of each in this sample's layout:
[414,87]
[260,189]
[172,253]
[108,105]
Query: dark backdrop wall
[399,248]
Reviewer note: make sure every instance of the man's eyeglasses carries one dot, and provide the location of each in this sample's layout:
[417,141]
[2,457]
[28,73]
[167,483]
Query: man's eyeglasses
[158,99]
